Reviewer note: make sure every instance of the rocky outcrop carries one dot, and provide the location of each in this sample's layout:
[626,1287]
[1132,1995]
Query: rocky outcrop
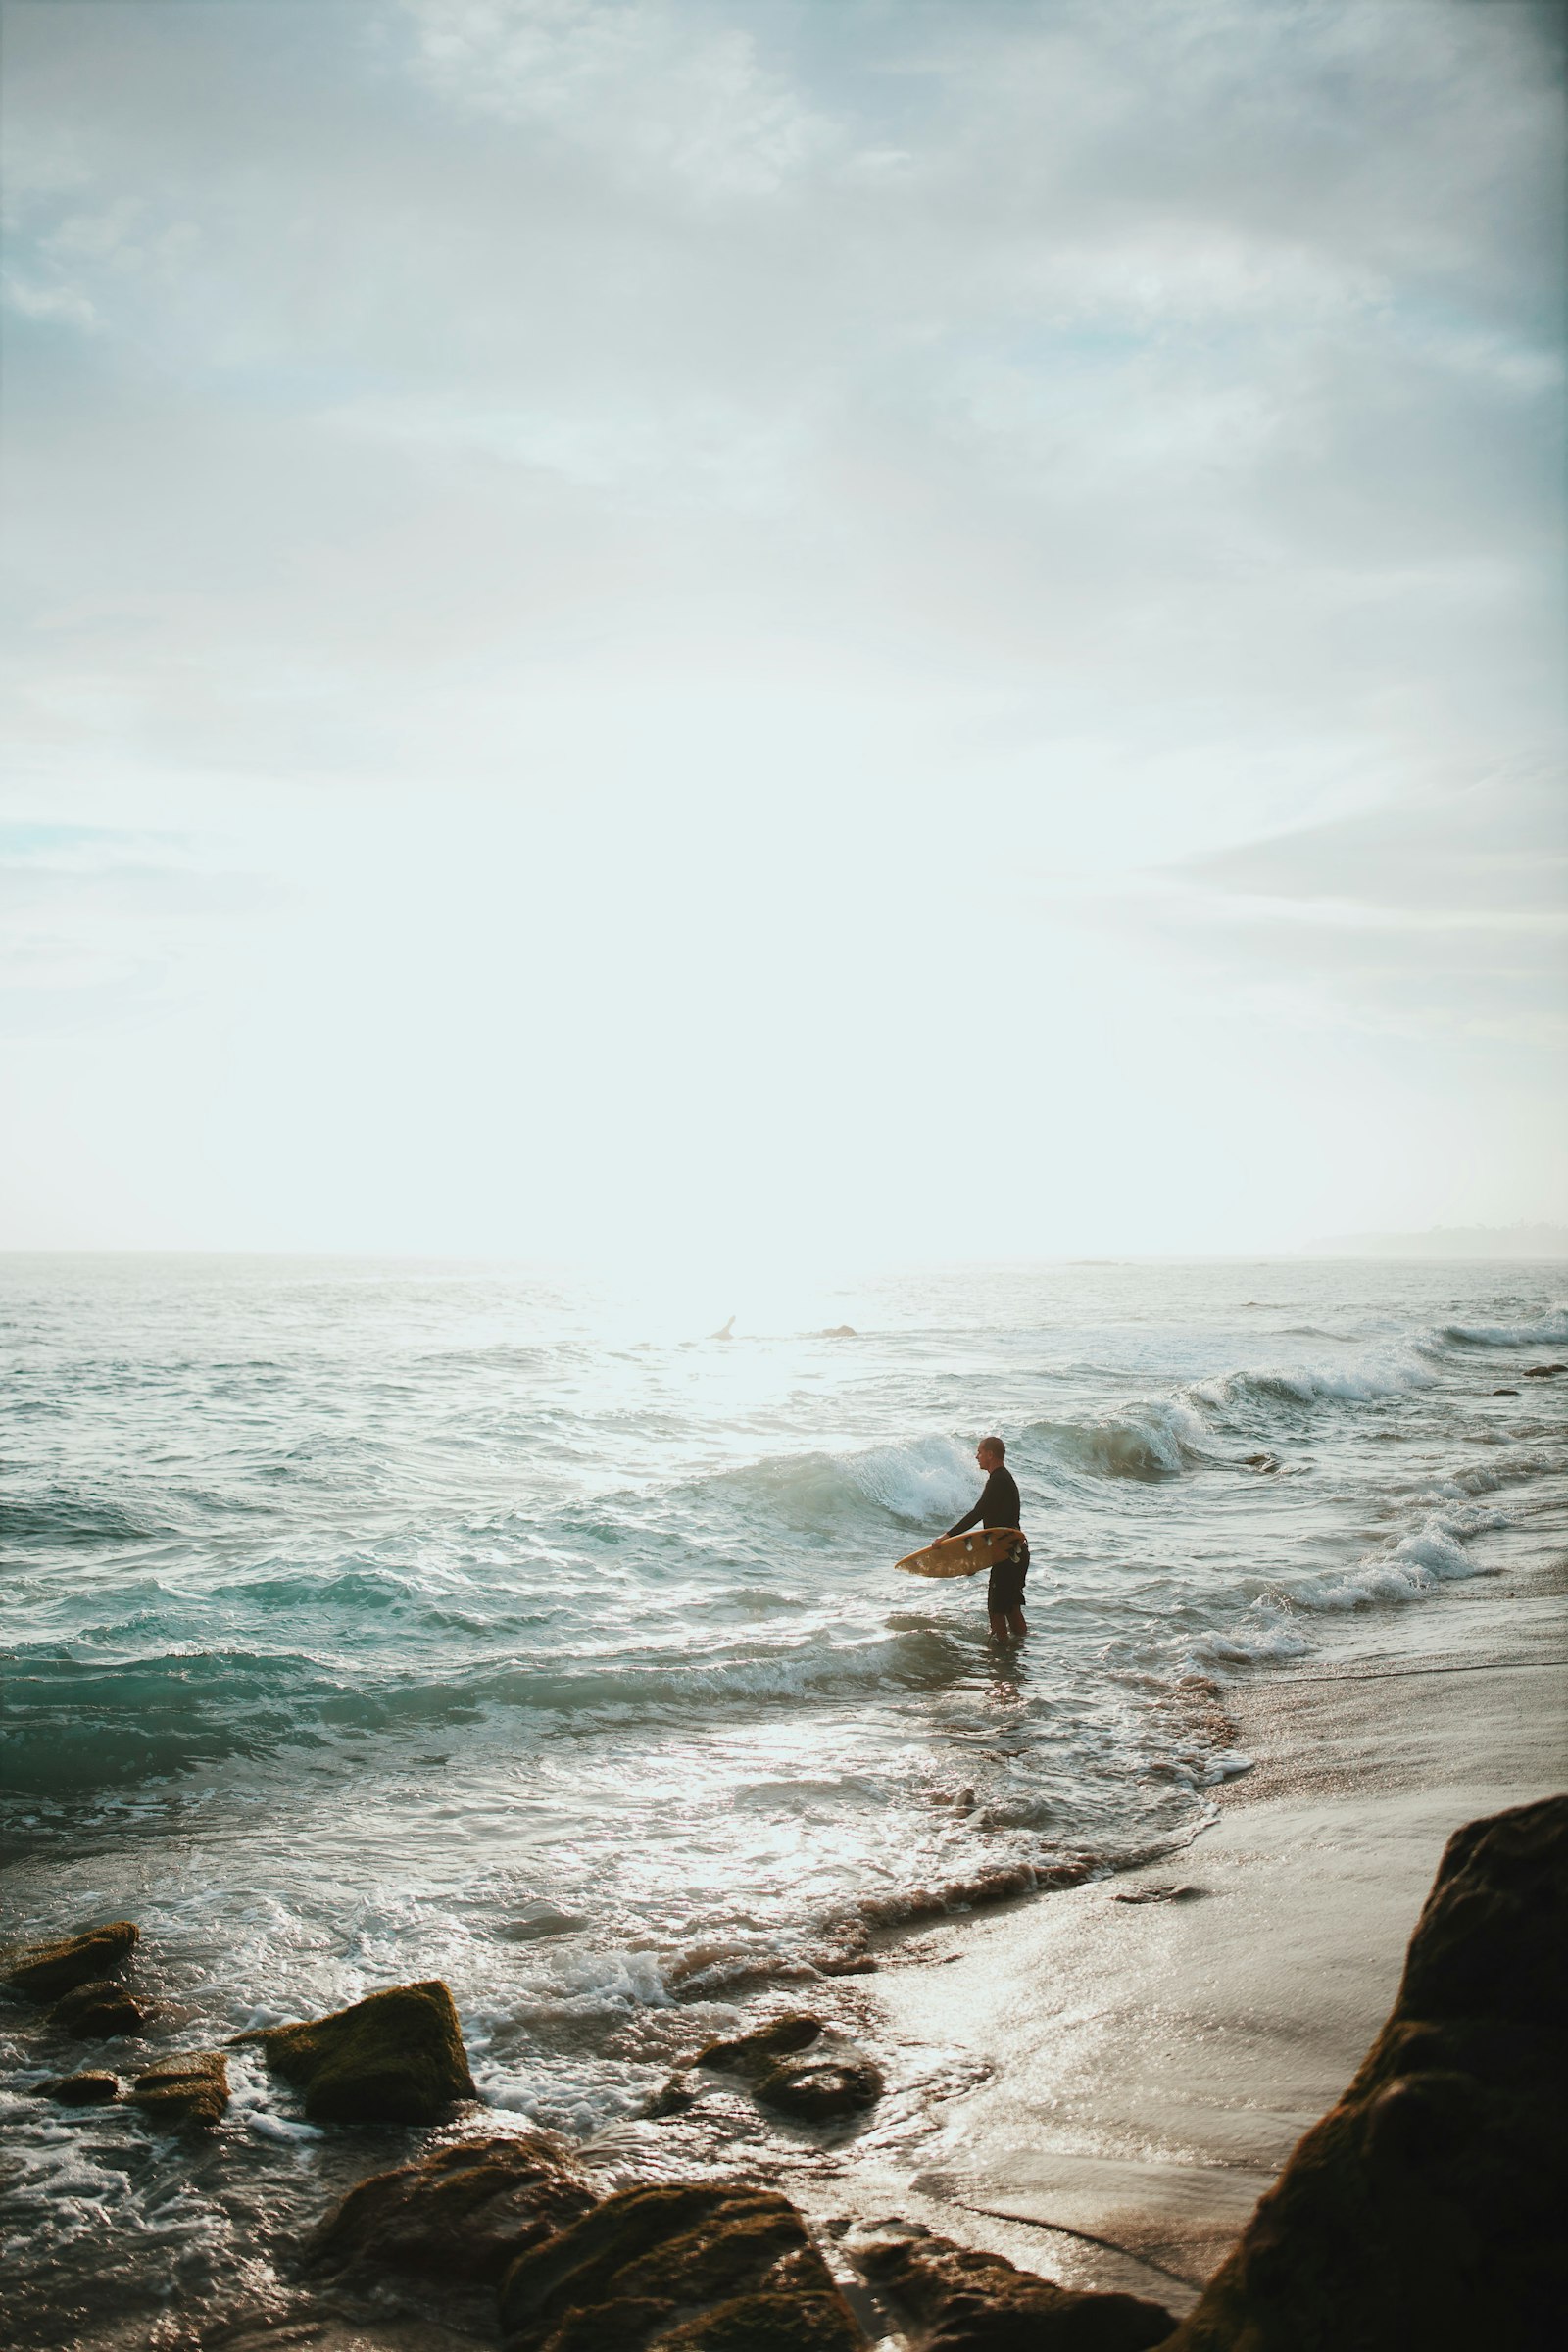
[82,2090]
[800,2067]
[46,1971]
[965,2302]
[99,2012]
[190,2090]
[463,2213]
[703,2268]
[394,2058]
[1424,2209]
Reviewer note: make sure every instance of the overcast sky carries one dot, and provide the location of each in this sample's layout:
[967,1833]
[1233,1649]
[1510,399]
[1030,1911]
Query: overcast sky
[826,628]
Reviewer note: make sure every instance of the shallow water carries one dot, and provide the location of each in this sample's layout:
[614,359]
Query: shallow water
[369,1622]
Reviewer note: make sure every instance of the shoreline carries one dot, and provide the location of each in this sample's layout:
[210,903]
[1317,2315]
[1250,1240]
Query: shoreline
[1128,2076]
[1099,2084]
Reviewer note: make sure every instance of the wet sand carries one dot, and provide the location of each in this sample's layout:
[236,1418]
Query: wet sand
[1129,2076]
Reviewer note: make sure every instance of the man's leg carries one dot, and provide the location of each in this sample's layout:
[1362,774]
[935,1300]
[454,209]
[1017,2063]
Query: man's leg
[1015,1624]
[998,1623]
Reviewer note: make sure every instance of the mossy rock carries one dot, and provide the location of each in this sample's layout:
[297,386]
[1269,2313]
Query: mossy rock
[192,2089]
[46,1971]
[461,2213]
[654,2267]
[969,2302]
[769,2324]
[396,2057]
[82,2090]
[99,2012]
[1425,2209]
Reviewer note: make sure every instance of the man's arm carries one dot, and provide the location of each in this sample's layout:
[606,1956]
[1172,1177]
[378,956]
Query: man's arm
[974,1517]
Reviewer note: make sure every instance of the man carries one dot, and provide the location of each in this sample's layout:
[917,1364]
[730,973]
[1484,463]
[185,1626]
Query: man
[999,1506]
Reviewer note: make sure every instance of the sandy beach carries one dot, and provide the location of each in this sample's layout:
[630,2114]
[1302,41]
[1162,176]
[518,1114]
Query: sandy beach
[1145,2067]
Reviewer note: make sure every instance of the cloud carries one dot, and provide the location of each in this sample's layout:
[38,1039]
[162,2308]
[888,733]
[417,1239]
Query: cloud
[1443,914]
[103,925]
[817,470]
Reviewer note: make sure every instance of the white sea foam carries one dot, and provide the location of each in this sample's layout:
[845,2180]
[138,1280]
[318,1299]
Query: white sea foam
[1432,1553]
[1270,1636]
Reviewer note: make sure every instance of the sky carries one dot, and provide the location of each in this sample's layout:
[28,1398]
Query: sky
[815,629]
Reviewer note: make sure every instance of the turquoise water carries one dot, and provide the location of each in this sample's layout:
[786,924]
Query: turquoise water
[369,1622]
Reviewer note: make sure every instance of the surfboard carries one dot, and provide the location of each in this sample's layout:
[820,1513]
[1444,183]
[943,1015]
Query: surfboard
[963,1555]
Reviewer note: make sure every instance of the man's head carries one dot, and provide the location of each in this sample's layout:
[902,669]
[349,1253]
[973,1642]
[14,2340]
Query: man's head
[990,1453]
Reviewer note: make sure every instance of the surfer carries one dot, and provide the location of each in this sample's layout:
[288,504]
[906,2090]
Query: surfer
[999,1506]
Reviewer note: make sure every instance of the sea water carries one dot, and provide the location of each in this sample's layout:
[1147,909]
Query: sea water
[369,1622]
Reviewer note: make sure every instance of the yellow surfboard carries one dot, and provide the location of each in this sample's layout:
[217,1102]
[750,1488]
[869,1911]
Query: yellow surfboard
[963,1555]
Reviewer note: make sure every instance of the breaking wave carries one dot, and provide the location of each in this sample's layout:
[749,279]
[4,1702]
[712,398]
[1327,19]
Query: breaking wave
[920,1484]
[72,1726]
[1160,1440]
[1550,1331]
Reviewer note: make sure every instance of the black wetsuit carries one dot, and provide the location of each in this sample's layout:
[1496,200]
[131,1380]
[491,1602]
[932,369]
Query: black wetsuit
[999,1506]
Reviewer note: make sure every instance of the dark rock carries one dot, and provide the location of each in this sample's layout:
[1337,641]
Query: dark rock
[671,2098]
[45,1970]
[834,2079]
[1505,1392]
[82,2090]
[1261,1461]
[969,2302]
[1543,1371]
[192,2089]
[1424,2208]
[848,1964]
[461,2213]
[98,2012]
[702,2267]
[750,2053]
[816,2088]
[394,2058]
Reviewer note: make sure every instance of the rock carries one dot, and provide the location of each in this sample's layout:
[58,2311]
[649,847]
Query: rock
[838,1331]
[1505,1392]
[672,2097]
[82,2090]
[98,2012]
[192,2089]
[1161,1894]
[45,1970]
[827,2084]
[969,2302]
[461,2213]
[1424,2209]
[1543,1371]
[394,2058]
[703,2268]
[750,2053]
[835,2080]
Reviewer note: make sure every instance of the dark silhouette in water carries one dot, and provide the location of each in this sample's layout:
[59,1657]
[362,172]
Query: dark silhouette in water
[999,1506]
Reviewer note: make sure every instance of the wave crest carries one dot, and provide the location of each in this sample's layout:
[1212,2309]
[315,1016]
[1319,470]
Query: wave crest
[1550,1330]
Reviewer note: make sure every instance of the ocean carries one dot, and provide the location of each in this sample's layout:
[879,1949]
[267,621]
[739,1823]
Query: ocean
[366,1622]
